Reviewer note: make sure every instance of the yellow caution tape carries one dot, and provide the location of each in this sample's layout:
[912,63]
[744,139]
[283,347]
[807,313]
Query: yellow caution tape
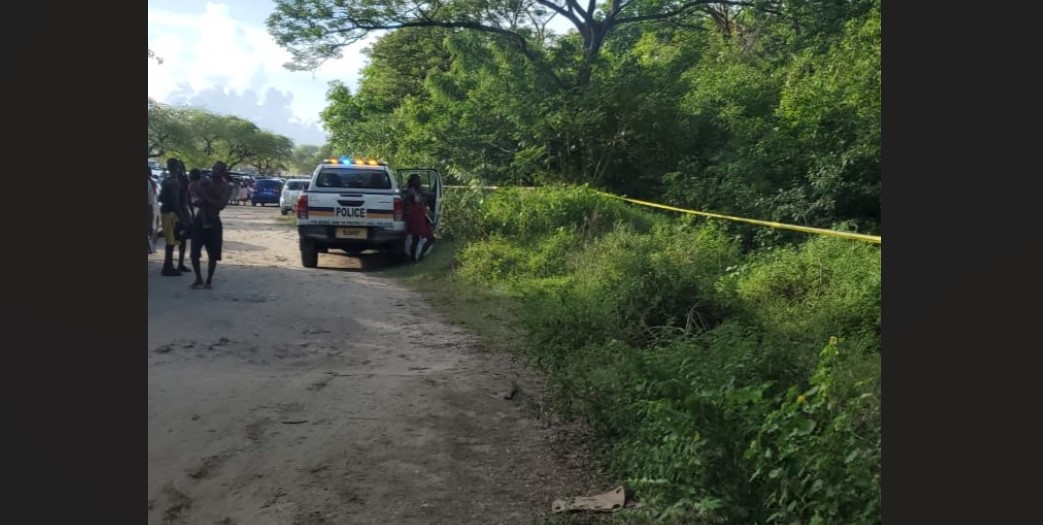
[875,239]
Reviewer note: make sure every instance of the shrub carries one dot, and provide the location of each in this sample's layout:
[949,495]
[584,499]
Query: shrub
[660,281]
[462,214]
[491,260]
[698,365]
[818,454]
[823,288]
[526,214]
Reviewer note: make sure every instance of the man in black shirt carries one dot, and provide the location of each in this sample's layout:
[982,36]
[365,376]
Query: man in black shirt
[169,209]
[184,223]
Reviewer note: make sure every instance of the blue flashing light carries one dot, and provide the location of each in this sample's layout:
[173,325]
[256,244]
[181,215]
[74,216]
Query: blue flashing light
[345,160]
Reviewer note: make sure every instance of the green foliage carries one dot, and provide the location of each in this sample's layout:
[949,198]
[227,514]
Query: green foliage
[306,157]
[818,455]
[825,287]
[492,259]
[530,213]
[831,106]
[166,128]
[661,280]
[270,153]
[199,138]
[737,112]
[687,355]
[685,344]
[462,214]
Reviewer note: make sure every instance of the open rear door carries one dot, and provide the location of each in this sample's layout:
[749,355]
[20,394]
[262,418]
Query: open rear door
[431,184]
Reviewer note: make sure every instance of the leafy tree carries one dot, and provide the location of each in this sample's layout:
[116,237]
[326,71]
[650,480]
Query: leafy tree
[166,129]
[239,141]
[831,105]
[272,153]
[341,114]
[722,108]
[199,138]
[315,30]
[207,130]
[305,157]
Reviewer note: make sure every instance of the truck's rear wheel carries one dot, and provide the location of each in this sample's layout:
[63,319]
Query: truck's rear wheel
[309,255]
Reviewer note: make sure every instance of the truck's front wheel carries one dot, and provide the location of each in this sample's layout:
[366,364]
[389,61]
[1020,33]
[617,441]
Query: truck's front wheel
[309,255]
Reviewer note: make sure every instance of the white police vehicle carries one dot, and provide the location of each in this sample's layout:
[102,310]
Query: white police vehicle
[354,204]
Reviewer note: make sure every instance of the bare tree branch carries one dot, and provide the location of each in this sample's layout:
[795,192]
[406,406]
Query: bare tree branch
[682,9]
[518,40]
[561,11]
[315,30]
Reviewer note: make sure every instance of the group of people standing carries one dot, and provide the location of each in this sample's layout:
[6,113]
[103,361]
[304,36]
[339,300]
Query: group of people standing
[190,208]
[241,190]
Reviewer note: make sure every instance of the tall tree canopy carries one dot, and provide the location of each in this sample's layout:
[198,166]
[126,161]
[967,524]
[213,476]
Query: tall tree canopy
[316,30]
[770,111]
[199,138]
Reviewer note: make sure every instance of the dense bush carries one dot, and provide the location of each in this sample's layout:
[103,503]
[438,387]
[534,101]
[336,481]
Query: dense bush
[496,259]
[817,457]
[700,366]
[462,214]
[530,214]
[824,288]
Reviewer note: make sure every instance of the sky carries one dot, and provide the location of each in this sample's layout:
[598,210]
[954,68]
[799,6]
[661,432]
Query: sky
[218,55]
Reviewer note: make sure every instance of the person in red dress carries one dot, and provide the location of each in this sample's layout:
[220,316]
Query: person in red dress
[419,236]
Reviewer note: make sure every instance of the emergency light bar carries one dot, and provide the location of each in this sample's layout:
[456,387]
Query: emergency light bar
[348,161]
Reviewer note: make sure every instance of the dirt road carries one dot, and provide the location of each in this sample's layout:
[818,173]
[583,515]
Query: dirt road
[329,396]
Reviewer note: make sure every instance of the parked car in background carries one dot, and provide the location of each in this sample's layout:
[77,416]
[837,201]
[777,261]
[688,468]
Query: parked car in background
[266,191]
[290,192]
[231,174]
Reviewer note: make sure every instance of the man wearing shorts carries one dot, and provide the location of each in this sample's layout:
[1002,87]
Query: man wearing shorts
[184,224]
[170,209]
[211,197]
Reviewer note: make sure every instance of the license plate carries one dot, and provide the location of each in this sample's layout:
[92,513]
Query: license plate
[351,233]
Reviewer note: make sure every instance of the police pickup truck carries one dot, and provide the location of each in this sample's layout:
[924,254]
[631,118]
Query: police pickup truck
[356,204]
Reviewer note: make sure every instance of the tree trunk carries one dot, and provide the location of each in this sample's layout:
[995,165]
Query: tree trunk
[591,51]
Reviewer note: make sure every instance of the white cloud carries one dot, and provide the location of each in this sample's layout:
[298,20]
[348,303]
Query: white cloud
[219,55]
[211,52]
